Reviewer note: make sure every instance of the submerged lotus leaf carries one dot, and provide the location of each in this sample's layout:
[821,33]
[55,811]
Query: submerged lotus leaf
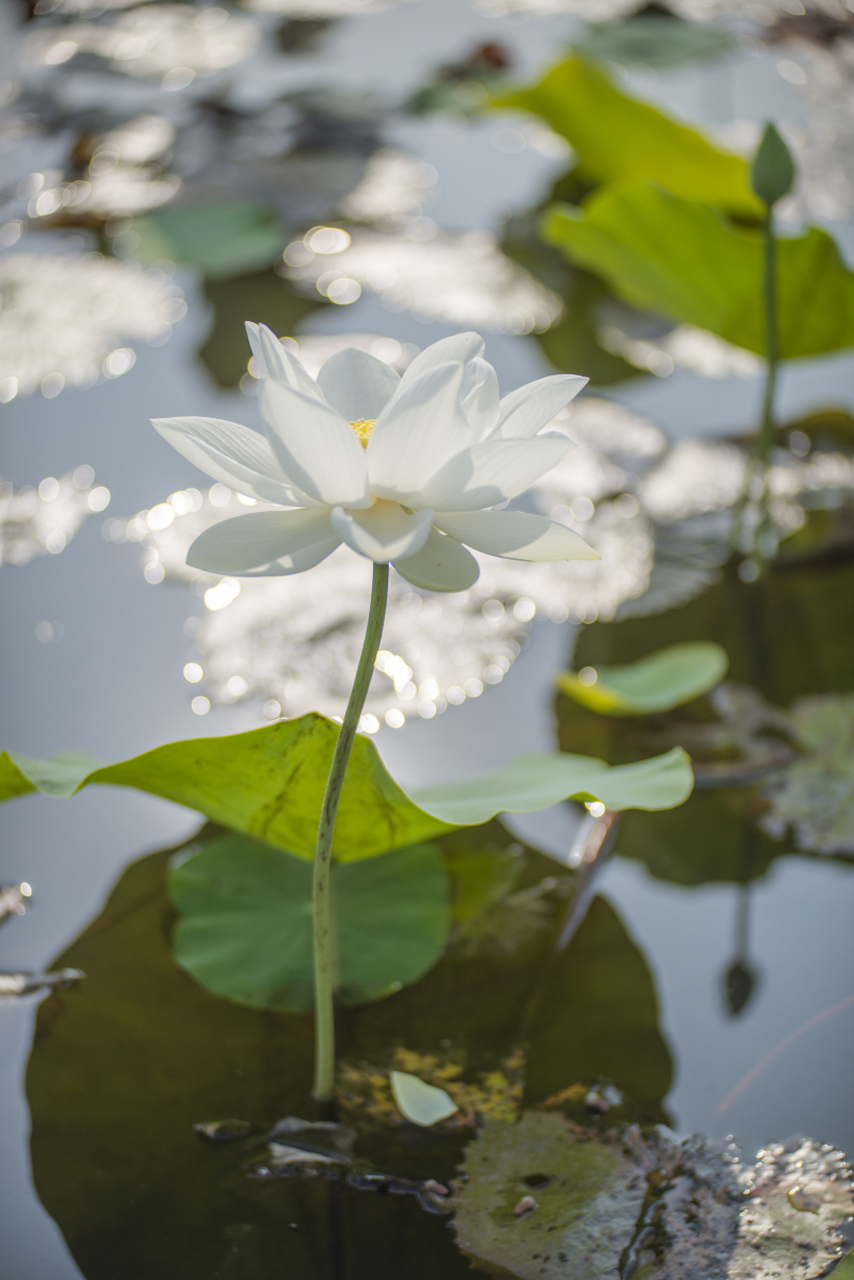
[269,783]
[589,1195]
[246,926]
[657,682]
[814,796]
[622,1204]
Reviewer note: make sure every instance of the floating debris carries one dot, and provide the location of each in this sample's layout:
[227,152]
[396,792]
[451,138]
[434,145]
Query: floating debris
[225,1130]
[365,1096]
[431,1195]
[622,1203]
[27,984]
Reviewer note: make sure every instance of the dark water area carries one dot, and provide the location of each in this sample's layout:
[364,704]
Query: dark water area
[711,978]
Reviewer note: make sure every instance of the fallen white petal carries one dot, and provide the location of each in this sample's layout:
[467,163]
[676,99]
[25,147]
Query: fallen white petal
[527,410]
[491,472]
[419,431]
[275,361]
[515,535]
[384,531]
[357,384]
[441,565]
[297,539]
[420,1102]
[316,448]
[232,454]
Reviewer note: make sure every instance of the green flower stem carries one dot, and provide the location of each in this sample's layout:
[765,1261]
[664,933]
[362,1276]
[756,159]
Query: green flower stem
[766,435]
[325,941]
[765,439]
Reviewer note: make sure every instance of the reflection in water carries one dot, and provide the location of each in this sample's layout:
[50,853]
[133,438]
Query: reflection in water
[64,315]
[175,41]
[42,521]
[461,279]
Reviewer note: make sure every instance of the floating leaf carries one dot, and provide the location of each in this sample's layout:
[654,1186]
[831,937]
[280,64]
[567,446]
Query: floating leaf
[658,682]
[686,262]
[619,139]
[654,40]
[269,783]
[246,927]
[845,1270]
[217,237]
[532,782]
[601,1205]
[421,1103]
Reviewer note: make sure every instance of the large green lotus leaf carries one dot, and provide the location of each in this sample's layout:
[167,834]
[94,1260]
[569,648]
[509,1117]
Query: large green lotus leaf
[657,682]
[685,261]
[532,782]
[264,296]
[217,237]
[619,139]
[269,783]
[246,926]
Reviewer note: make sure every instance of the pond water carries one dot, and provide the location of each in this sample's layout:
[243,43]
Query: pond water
[711,980]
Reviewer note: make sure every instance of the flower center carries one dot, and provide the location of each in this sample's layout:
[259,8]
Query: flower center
[363,428]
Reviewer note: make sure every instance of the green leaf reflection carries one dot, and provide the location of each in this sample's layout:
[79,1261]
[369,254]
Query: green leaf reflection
[125,1064]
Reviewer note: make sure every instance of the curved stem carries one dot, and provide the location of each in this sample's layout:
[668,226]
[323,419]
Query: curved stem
[765,439]
[324,925]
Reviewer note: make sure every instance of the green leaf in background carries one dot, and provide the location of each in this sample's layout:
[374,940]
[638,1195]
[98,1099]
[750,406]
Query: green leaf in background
[262,296]
[772,173]
[246,927]
[619,139]
[421,1103]
[532,782]
[217,237]
[657,682]
[268,783]
[686,262]
[654,40]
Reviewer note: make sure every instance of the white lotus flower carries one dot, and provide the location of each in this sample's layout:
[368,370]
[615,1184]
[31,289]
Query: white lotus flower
[401,469]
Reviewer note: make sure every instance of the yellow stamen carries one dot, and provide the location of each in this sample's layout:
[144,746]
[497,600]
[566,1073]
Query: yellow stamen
[363,428]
